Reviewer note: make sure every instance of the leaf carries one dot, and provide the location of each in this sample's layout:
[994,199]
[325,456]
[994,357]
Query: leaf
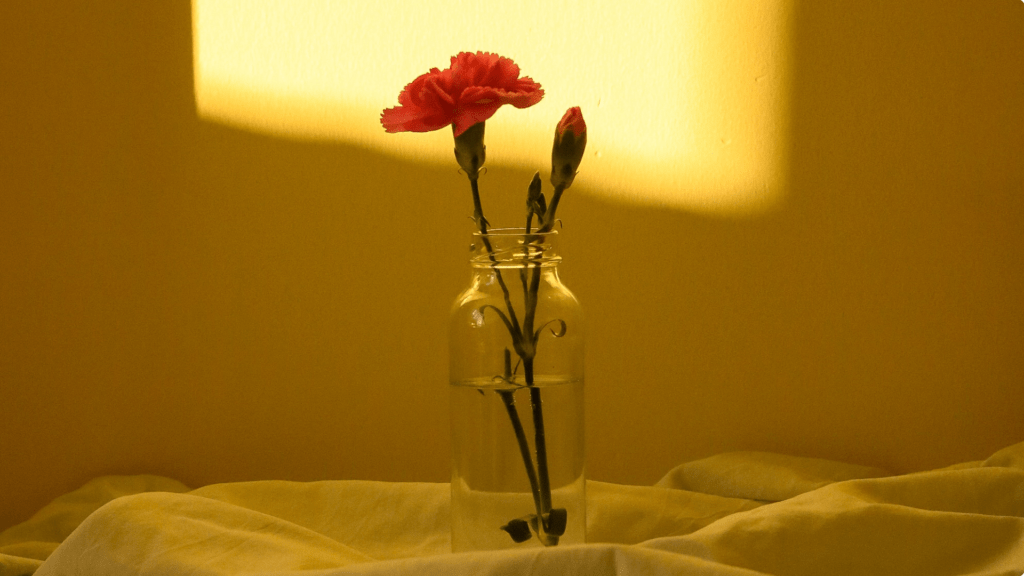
[561,332]
[557,520]
[501,314]
[518,529]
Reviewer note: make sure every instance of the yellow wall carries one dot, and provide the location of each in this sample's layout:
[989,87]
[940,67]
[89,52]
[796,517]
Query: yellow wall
[188,299]
[699,124]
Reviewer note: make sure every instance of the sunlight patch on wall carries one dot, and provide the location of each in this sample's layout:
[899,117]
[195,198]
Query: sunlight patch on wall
[686,103]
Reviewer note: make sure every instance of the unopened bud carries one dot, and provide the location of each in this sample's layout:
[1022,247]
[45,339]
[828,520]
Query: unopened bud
[567,152]
[535,203]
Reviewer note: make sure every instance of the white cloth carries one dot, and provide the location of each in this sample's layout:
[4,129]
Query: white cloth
[733,514]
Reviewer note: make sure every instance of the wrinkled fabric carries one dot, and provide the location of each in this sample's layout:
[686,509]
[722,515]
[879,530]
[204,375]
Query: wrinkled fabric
[732,514]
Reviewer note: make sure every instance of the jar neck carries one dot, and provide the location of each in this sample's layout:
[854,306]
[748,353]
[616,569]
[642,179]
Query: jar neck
[514,248]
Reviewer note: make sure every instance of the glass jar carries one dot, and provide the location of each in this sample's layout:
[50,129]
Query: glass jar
[516,386]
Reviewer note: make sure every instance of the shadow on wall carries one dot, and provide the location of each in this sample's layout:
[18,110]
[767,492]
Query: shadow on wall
[186,299]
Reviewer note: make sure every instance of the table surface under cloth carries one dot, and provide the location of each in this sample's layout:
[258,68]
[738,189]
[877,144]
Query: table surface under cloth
[732,514]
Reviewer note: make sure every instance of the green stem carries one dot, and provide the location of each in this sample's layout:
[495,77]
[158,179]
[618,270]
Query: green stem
[540,438]
[524,447]
[478,216]
[540,482]
[540,487]
[540,442]
[529,316]
[549,217]
[531,304]
[522,271]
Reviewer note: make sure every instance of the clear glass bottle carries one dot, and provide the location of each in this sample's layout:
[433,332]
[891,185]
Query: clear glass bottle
[516,384]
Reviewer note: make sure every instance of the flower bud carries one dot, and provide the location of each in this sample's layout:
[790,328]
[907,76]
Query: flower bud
[567,153]
[535,203]
[470,150]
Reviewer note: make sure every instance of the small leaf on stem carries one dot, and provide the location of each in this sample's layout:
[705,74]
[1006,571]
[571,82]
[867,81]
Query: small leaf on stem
[557,520]
[518,529]
[562,329]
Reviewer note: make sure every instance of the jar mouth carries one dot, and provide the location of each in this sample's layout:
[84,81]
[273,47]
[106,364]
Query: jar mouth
[513,248]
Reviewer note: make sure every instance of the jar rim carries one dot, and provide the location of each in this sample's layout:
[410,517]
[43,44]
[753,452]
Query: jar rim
[520,231]
[513,247]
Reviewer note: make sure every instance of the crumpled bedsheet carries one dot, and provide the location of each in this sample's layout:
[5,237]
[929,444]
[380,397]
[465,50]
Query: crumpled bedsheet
[732,514]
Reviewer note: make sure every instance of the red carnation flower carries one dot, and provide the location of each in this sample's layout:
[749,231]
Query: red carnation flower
[468,92]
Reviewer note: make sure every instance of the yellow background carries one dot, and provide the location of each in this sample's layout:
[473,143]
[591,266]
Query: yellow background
[685,101]
[186,298]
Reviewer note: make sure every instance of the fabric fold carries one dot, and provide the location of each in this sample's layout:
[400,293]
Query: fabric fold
[735,514]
